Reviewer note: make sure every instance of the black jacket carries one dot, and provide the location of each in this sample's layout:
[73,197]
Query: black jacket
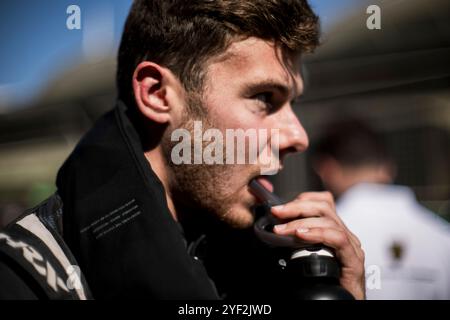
[112,214]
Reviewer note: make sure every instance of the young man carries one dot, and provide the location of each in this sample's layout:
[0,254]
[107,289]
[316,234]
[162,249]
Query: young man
[136,220]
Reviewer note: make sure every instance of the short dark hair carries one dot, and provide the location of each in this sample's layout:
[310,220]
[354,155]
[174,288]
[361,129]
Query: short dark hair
[183,34]
[352,143]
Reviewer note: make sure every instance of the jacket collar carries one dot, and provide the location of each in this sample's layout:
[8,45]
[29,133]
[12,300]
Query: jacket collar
[116,217]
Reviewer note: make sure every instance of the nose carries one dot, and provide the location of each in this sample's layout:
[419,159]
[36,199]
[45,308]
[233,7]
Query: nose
[293,137]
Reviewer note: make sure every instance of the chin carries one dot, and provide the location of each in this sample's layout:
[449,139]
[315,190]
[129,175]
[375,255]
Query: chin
[240,218]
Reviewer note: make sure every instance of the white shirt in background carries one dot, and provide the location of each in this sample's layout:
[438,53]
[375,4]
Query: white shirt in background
[407,247]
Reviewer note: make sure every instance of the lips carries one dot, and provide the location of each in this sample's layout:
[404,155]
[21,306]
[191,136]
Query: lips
[266,183]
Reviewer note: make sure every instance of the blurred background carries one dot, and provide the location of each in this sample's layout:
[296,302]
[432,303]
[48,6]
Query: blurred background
[55,82]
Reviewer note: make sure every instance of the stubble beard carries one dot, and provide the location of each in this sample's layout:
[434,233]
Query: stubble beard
[207,188]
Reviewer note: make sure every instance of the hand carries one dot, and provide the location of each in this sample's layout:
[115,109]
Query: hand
[319,223]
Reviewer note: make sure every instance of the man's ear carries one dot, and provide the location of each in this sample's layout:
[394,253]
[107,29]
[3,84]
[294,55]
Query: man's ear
[150,87]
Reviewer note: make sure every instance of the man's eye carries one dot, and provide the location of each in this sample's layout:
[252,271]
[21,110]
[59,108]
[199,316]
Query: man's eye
[265,98]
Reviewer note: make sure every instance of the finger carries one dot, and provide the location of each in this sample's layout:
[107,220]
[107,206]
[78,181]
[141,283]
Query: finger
[318,205]
[306,209]
[329,199]
[318,196]
[306,223]
[354,238]
[326,196]
[336,239]
[300,208]
[291,227]
[352,261]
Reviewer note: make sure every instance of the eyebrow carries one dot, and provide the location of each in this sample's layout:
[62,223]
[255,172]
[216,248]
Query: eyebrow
[270,84]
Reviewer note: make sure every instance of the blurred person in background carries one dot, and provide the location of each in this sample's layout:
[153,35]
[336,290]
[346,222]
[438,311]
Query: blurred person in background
[407,246]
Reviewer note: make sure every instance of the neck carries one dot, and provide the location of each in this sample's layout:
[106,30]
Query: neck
[158,164]
[150,139]
[367,175]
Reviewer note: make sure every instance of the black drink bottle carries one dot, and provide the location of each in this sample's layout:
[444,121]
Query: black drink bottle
[312,270]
